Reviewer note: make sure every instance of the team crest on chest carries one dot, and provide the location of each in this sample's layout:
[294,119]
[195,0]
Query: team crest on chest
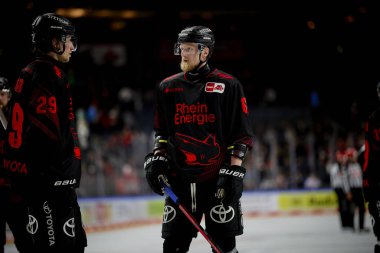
[215,87]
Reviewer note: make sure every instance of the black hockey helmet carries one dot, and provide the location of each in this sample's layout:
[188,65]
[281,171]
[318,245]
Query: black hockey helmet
[4,86]
[196,34]
[3,83]
[48,26]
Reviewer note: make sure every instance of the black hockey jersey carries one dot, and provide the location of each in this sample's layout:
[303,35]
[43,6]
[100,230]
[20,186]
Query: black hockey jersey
[41,145]
[202,117]
[3,177]
[371,163]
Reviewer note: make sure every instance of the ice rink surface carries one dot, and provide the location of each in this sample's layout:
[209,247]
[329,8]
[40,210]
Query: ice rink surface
[263,234]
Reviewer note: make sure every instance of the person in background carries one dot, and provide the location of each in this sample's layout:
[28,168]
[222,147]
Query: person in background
[5,189]
[41,151]
[312,181]
[371,169]
[355,180]
[202,135]
[340,183]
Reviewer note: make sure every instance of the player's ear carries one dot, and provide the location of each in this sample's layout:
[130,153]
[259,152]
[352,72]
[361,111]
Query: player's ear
[205,53]
[55,44]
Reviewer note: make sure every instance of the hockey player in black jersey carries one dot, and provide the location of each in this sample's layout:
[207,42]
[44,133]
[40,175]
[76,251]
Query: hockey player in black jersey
[5,189]
[202,134]
[371,170]
[42,155]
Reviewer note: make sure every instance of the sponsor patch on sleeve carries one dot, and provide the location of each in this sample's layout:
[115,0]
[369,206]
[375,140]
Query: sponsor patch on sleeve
[215,87]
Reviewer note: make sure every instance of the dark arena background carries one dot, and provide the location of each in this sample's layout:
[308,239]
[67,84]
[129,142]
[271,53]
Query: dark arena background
[309,70]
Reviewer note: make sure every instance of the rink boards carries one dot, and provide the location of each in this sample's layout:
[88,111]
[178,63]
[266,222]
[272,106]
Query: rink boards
[117,212]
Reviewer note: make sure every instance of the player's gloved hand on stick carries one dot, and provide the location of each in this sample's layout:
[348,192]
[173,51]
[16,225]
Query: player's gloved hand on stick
[156,166]
[230,184]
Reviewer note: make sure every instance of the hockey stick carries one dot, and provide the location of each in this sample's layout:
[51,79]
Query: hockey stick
[169,192]
[3,119]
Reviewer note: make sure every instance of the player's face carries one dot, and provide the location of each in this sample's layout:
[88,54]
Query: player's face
[4,98]
[69,48]
[189,56]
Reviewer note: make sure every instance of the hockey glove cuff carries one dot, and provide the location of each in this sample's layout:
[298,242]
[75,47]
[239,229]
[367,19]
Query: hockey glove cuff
[156,166]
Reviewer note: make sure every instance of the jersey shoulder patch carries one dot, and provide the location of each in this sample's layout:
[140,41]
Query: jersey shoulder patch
[215,87]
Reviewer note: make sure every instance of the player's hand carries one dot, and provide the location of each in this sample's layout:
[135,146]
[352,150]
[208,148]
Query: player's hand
[156,166]
[230,184]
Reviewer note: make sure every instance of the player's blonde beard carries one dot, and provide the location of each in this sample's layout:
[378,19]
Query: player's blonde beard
[187,67]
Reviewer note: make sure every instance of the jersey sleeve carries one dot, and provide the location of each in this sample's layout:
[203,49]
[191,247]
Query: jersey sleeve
[160,124]
[237,117]
[372,151]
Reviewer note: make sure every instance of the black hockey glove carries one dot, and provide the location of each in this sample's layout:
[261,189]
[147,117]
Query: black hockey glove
[156,166]
[230,184]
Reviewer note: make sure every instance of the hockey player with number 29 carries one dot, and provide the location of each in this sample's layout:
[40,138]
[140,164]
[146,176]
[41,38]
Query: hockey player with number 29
[371,169]
[202,135]
[42,154]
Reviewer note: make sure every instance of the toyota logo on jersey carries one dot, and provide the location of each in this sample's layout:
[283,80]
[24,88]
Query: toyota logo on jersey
[32,225]
[215,87]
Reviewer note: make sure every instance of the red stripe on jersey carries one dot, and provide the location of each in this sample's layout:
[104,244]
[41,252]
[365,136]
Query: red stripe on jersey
[77,152]
[57,71]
